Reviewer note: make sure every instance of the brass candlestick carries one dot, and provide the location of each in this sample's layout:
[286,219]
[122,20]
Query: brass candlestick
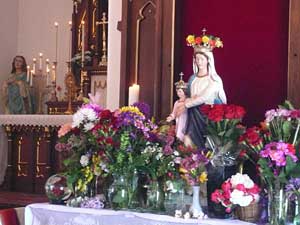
[71,88]
[103,22]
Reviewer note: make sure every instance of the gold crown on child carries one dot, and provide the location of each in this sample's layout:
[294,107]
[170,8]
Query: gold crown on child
[204,42]
[181,84]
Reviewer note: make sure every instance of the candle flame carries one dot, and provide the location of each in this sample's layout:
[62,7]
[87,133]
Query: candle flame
[41,54]
[56,24]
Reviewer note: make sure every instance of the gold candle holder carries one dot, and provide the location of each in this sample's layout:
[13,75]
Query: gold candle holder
[71,88]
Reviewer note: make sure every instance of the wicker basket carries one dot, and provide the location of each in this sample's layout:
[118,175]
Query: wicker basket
[249,213]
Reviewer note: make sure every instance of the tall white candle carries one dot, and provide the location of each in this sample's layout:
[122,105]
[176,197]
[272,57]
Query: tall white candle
[56,40]
[70,41]
[33,66]
[47,65]
[53,73]
[31,78]
[28,74]
[134,92]
[82,43]
[47,76]
[41,61]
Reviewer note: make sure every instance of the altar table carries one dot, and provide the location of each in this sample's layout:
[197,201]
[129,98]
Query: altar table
[47,214]
[27,151]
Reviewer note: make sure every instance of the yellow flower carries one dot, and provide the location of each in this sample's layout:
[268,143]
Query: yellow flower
[182,170]
[96,159]
[190,39]
[219,43]
[205,39]
[203,177]
[132,109]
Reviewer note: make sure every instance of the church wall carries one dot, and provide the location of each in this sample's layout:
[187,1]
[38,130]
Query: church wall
[114,54]
[8,37]
[36,31]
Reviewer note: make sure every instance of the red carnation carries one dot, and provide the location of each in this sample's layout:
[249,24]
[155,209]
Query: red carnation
[241,187]
[254,190]
[109,141]
[226,186]
[106,114]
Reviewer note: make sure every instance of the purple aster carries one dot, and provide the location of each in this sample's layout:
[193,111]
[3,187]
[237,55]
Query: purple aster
[144,108]
[293,188]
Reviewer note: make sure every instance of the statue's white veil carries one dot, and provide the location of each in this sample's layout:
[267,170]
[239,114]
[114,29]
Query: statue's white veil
[212,72]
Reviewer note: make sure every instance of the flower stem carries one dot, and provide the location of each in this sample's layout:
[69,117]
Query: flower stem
[296,133]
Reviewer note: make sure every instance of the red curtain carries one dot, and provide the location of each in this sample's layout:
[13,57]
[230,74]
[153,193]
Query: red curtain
[253,62]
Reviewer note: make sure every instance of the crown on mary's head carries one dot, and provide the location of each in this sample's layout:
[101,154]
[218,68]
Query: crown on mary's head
[204,42]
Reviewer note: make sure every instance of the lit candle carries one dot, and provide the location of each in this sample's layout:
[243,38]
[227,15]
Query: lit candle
[56,39]
[40,62]
[134,92]
[33,66]
[82,44]
[28,74]
[53,73]
[70,41]
[47,76]
[31,78]
[47,65]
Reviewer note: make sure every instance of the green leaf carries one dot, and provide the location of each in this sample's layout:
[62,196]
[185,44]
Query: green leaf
[286,128]
[266,170]
[290,166]
[282,177]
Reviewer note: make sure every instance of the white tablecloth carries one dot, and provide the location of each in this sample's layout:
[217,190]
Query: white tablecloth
[35,120]
[46,214]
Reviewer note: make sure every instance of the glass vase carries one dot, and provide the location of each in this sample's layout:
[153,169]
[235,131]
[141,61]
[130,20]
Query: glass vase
[156,196]
[196,209]
[296,220]
[174,198]
[277,204]
[122,193]
[118,193]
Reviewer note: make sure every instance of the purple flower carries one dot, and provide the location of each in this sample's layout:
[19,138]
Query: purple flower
[283,112]
[168,150]
[94,203]
[144,108]
[97,109]
[270,114]
[293,188]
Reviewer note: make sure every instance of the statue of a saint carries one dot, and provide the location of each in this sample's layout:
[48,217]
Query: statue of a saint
[16,91]
[205,86]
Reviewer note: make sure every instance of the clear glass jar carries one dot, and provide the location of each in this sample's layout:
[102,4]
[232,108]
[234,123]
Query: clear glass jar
[118,193]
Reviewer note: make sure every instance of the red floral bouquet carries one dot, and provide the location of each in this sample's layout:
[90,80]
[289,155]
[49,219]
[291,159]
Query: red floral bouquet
[239,190]
[223,131]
